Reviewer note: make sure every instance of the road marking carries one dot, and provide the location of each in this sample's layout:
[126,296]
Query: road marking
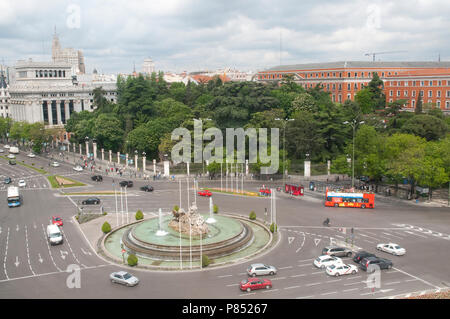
[426,282]
[301,275]
[40,259]
[333,280]
[388,234]
[70,248]
[354,277]
[270,290]
[17,263]
[329,293]
[278,278]
[317,272]
[305,260]
[292,287]
[313,284]
[223,276]
[415,234]
[290,240]
[317,241]
[353,289]
[354,283]
[369,241]
[377,292]
[414,279]
[232,285]
[6,253]
[304,265]
[303,242]
[28,250]
[288,267]
[304,297]
[392,283]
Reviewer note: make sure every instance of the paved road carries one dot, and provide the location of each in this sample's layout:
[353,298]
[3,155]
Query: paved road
[28,262]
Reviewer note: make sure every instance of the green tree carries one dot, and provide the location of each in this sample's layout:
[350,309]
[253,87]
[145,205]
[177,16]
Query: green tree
[108,132]
[139,215]
[132,260]
[106,227]
[426,126]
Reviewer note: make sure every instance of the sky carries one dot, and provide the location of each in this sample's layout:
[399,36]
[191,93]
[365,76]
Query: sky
[249,35]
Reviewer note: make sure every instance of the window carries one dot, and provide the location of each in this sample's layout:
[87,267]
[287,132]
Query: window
[430,93]
[406,93]
[447,104]
[356,86]
[406,83]
[438,104]
[421,93]
[398,93]
[339,98]
[413,93]
[422,83]
[340,86]
[413,103]
[348,86]
[448,93]
[438,93]
[349,96]
[334,86]
[348,74]
[356,74]
[413,83]
[390,93]
[382,74]
[439,83]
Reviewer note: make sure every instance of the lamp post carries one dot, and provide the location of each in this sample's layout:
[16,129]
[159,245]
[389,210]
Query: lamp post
[353,124]
[284,121]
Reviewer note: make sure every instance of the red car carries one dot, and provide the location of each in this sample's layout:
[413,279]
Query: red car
[57,220]
[255,283]
[206,193]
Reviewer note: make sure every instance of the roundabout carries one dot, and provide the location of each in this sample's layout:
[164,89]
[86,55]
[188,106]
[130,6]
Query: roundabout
[178,241]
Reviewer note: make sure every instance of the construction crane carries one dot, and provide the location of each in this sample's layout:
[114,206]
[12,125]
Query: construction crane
[377,53]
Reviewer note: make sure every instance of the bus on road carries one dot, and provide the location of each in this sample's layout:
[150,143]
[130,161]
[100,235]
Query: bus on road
[14,198]
[358,200]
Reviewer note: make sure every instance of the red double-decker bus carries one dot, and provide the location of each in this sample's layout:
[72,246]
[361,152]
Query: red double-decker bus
[358,200]
[293,189]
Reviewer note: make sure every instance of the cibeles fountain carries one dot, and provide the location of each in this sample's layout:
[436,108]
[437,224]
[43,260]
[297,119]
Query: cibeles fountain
[174,238]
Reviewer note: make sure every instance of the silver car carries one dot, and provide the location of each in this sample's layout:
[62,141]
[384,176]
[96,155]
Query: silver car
[124,278]
[260,270]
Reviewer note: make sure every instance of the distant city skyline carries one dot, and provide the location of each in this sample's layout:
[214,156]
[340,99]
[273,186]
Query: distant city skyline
[193,35]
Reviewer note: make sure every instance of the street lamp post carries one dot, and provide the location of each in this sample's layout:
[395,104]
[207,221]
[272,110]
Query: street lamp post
[353,125]
[284,121]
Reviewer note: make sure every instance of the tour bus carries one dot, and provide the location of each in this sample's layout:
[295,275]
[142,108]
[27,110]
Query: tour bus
[294,189]
[358,200]
[14,198]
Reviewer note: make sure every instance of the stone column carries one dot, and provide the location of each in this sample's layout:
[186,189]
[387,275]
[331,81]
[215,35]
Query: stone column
[246,167]
[80,148]
[136,162]
[87,148]
[126,160]
[154,167]
[329,167]
[143,163]
[103,154]
[118,158]
[49,112]
[95,150]
[166,168]
[187,167]
[66,109]
[110,156]
[307,168]
[58,112]
[73,147]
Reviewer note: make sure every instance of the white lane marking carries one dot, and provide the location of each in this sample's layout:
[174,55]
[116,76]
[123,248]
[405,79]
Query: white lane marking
[305,260]
[17,263]
[40,258]
[70,248]
[333,280]
[232,285]
[353,289]
[354,283]
[223,276]
[313,284]
[28,250]
[364,235]
[49,251]
[369,241]
[317,272]
[292,287]
[6,253]
[270,290]
[329,293]
[51,273]
[248,294]
[304,297]
[411,233]
[288,267]
[414,279]
[354,277]
[426,282]
[303,242]
[301,275]
[280,278]
[304,265]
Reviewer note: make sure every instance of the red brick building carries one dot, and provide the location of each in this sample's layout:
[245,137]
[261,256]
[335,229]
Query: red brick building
[402,80]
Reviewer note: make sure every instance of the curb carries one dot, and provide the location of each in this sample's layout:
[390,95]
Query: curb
[417,293]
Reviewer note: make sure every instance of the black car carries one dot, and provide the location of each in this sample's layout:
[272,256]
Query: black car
[91,201]
[360,255]
[369,264]
[126,183]
[147,188]
[12,162]
[7,180]
[97,178]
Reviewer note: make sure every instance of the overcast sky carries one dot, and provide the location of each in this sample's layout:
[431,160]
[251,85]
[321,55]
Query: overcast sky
[207,34]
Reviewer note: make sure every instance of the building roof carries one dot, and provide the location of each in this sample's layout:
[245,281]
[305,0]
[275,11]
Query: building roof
[360,64]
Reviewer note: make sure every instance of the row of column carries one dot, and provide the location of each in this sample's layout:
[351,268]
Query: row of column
[58,111]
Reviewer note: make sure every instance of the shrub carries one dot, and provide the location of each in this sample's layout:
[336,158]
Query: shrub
[105,213]
[205,261]
[106,228]
[215,209]
[139,215]
[273,227]
[176,208]
[252,215]
[132,260]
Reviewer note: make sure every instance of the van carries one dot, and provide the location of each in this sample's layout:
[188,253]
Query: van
[54,235]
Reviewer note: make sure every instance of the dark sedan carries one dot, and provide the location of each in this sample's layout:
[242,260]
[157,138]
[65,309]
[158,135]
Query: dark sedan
[97,178]
[126,184]
[370,264]
[147,188]
[7,180]
[91,201]
[360,255]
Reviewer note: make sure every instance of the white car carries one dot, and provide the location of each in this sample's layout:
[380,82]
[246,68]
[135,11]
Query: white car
[325,261]
[342,269]
[31,155]
[78,168]
[11,156]
[392,248]
[124,278]
[22,183]
[7,146]
[55,164]
[1,150]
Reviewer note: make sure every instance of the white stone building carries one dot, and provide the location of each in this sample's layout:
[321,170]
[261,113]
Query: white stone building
[47,92]
[4,93]
[67,55]
[148,67]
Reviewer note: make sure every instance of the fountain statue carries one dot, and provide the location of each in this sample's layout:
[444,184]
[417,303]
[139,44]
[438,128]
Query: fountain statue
[191,221]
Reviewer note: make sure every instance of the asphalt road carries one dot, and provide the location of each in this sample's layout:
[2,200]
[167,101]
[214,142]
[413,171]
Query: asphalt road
[30,268]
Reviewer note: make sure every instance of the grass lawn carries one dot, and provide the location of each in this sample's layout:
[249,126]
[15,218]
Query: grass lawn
[39,170]
[54,183]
